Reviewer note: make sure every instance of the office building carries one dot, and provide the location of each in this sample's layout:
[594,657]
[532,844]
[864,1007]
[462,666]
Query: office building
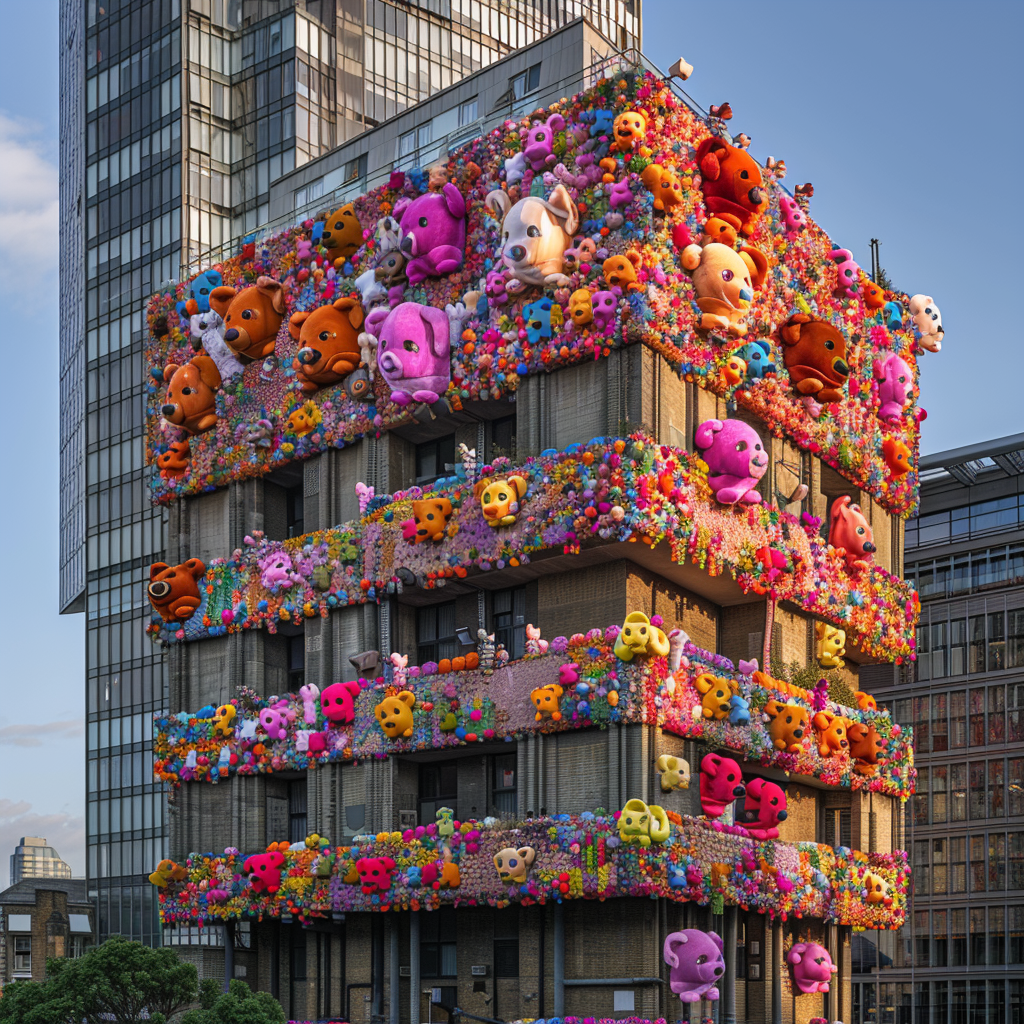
[32,858]
[961,954]
[176,118]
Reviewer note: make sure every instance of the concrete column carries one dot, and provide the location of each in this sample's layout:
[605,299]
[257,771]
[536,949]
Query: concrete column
[229,953]
[414,967]
[729,981]
[777,972]
[394,995]
[558,960]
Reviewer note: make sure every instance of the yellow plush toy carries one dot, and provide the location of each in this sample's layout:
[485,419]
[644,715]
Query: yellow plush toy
[639,637]
[641,824]
[545,700]
[514,865]
[675,773]
[499,500]
[166,872]
[831,645]
[224,721]
[395,714]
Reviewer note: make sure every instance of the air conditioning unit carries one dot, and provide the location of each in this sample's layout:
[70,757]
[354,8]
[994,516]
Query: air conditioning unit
[478,970]
[406,819]
[405,972]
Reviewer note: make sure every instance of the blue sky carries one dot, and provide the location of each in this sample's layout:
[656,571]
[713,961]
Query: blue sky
[905,115]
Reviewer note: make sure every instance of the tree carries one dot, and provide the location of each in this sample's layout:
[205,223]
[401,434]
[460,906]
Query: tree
[236,1006]
[112,984]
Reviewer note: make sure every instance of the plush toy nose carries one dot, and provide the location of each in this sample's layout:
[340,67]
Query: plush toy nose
[798,733]
[168,410]
[390,363]
[517,253]
[840,366]
[756,196]
[718,970]
[159,590]
[746,295]
[739,790]
[408,245]
[308,355]
[868,546]
[231,334]
[782,815]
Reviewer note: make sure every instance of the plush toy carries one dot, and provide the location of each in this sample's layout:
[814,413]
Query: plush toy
[224,721]
[537,318]
[208,330]
[620,271]
[721,784]
[628,131]
[337,702]
[736,460]
[876,888]
[732,183]
[897,456]
[581,307]
[174,462]
[275,722]
[342,235]
[371,291]
[328,339]
[515,168]
[579,257]
[866,702]
[605,305]
[512,865]
[264,871]
[831,645]
[304,419]
[871,294]
[812,967]
[739,710]
[252,317]
[191,399]
[413,351]
[732,372]
[724,229]
[538,146]
[664,185]
[793,218]
[789,724]
[674,772]
[927,320]
[441,874]
[375,873]
[716,695]
[763,808]
[168,871]
[534,643]
[429,521]
[433,233]
[535,233]
[499,499]
[643,824]
[395,714]
[496,288]
[639,637]
[276,570]
[545,699]
[696,960]
[758,357]
[815,355]
[174,590]
[847,273]
[619,194]
[725,281]
[867,746]
[850,533]
[388,235]
[830,733]
[200,288]
[895,386]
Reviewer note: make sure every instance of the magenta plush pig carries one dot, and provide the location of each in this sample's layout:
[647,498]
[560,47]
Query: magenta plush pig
[736,460]
[763,809]
[721,783]
[433,233]
[413,351]
[812,966]
[793,218]
[697,961]
[895,383]
[539,144]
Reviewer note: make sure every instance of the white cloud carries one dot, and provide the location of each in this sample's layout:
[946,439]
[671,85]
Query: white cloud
[64,832]
[28,201]
[22,735]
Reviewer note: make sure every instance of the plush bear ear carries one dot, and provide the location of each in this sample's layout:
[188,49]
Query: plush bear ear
[772,708]
[822,720]
[820,629]
[438,330]
[354,310]
[710,161]
[454,201]
[295,322]
[756,262]
[498,202]
[353,687]
[375,320]
[790,331]
[220,298]
[169,371]
[565,209]
[670,950]
[401,206]
[556,122]
[407,697]
[519,483]
[634,257]
[526,854]
[705,435]
[691,257]
[156,568]
[796,954]
[710,765]
[557,690]
[208,372]
[276,859]
[195,568]
[274,290]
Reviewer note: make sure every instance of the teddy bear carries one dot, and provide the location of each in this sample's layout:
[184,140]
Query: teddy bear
[757,355]
[208,337]
[191,400]
[499,499]
[252,317]
[174,462]
[328,340]
[872,295]
[342,234]
[643,824]
[395,715]
[866,746]
[537,319]
[639,637]
[812,967]
[337,702]
[628,131]
[830,733]
[876,888]
[579,257]
[388,235]
[895,385]
[538,146]
[674,772]
[375,873]
[717,693]
[788,725]
[897,456]
[581,307]
[264,870]
[429,520]
[736,460]
[866,702]
[276,570]
[721,784]
[725,281]
[413,351]
[815,356]
[514,865]
[620,271]
[763,808]
[390,273]
[696,961]
[545,700]
[619,194]
[831,645]
[168,871]
[433,232]
[725,229]
[605,305]
[275,721]
[850,533]
[927,320]
[664,185]
[731,182]
[441,874]
[174,590]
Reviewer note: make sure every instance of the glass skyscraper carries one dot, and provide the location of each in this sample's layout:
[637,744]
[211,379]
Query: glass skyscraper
[176,116]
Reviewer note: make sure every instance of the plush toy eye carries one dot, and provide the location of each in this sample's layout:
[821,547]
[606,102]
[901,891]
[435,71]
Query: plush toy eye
[187,391]
[323,335]
[338,224]
[247,314]
[539,137]
[410,346]
[860,531]
[830,345]
[774,800]
[512,862]
[902,379]
[727,275]
[741,446]
[423,222]
[702,959]
[503,496]
[744,174]
[533,231]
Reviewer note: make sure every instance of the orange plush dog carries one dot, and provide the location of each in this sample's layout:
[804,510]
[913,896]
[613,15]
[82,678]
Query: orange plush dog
[329,343]
[664,185]
[815,355]
[620,271]
[173,463]
[251,316]
[830,732]
[724,228]
[788,725]
[725,281]
[174,590]
[628,131]
[732,182]
[191,400]
[342,233]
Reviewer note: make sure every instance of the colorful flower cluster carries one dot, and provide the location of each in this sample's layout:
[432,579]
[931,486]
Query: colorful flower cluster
[577,857]
[609,490]
[503,332]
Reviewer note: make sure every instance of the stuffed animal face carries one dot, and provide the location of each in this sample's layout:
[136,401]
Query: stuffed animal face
[866,702]
[927,320]
[629,130]
[304,420]
[201,286]
[274,723]
[639,637]
[793,218]
[499,500]
[897,456]
[191,398]
[726,277]
[545,700]
[166,872]
[735,457]
[831,645]
[275,570]
[674,771]
[375,873]
[174,590]
[758,357]
[264,871]
[620,271]
[850,531]
[429,522]
[433,232]
[606,308]
[538,147]
[535,233]
[252,317]
[174,462]
[395,714]
[788,726]
[634,821]
[696,960]
[812,967]
[721,784]
[830,733]
[514,865]
[866,745]
[581,307]
[895,386]
[337,702]
[391,269]
[342,233]
[872,295]
[413,351]
[876,887]
[665,186]
[732,183]
[328,343]
[224,721]
[717,696]
[724,229]
[537,316]
[201,323]
[764,807]
[815,356]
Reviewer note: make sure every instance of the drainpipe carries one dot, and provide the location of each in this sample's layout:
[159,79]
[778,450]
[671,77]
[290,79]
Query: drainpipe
[229,953]
[729,987]
[777,972]
[394,996]
[558,960]
[414,967]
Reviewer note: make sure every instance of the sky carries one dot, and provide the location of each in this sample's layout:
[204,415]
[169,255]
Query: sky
[905,115]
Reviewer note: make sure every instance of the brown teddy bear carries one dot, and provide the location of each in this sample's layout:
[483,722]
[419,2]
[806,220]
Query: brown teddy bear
[252,316]
[191,400]
[789,724]
[343,233]
[731,182]
[174,590]
[725,281]
[815,355]
[328,340]
[830,732]
[620,271]
[663,185]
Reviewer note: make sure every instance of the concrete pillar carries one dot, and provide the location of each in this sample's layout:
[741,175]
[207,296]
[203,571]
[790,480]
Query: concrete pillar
[729,981]
[229,953]
[394,993]
[558,960]
[414,967]
[777,972]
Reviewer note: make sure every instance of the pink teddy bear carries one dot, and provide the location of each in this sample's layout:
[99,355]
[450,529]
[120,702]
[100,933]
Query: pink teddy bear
[895,383]
[736,460]
[310,694]
[538,148]
[264,870]
[433,233]
[812,966]
[276,570]
[793,218]
[848,280]
[413,351]
[619,194]
[496,288]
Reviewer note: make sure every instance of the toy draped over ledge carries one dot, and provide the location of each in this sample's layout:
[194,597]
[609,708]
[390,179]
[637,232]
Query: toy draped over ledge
[532,250]
[576,683]
[609,490]
[575,857]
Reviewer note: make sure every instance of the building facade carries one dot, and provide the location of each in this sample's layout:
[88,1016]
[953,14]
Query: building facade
[32,858]
[455,642]
[176,117]
[962,951]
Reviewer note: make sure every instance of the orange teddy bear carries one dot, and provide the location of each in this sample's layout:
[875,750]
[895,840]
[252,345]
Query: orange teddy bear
[252,316]
[173,463]
[191,400]
[830,732]
[545,700]
[429,521]
[328,340]
[732,183]
[343,234]
[620,271]
[174,590]
[789,724]
[664,185]
[628,131]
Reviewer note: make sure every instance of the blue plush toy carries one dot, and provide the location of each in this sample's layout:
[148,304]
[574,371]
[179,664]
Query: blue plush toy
[201,286]
[893,315]
[758,357]
[739,710]
[538,320]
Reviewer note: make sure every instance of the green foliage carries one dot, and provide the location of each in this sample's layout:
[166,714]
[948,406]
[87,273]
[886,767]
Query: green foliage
[237,1006]
[114,983]
[807,676]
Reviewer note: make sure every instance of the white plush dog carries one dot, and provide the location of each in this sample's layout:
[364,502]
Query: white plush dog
[208,329]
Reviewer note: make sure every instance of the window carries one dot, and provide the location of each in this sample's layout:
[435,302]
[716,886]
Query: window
[22,954]
[469,111]
[978,864]
[920,873]
[958,864]
[958,719]
[1017,935]
[525,83]
[976,656]
[838,827]
[977,934]
[1015,779]
[1016,856]
[977,705]
[958,647]
[921,719]
[435,632]
[996,714]
[439,787]
[297,826]
[503,440]
[506,943]
[939,866]
[437,944]
[940,727]
[297,954]
[940,939]
[996,641]
[419,137]
[996,861]
[508,621]
[296,662]
[503,791]
[920,798]
[432,457]
[293,510]
[1015,639]
[939,806]
[996,806]
[976,795]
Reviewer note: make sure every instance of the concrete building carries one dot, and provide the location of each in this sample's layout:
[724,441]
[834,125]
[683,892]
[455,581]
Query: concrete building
[176,118]
[961,955]
[32,858]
